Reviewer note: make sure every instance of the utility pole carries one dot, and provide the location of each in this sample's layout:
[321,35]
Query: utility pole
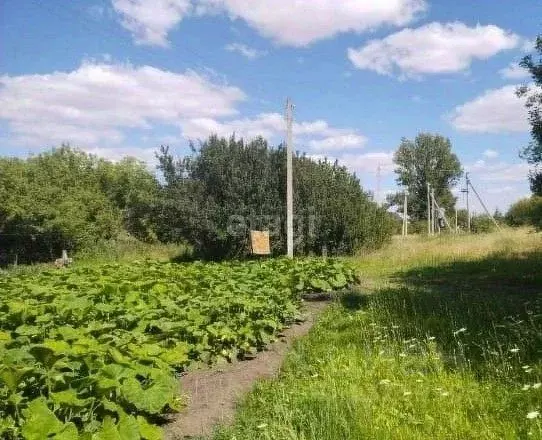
[456,231]
[484,206]
[468,206]
[428,209]
[433,211]
[289,179]
[405,215]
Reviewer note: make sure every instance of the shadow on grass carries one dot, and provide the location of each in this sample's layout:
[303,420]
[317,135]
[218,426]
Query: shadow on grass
[486,314]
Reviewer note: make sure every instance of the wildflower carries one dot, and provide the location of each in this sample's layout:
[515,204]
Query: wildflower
[385,382]
[461,330]
[402,355]
[525,387]
[431,338]
[445,393]
[514,350]
[419,380]
[533,415]
[407,393]
[537,385]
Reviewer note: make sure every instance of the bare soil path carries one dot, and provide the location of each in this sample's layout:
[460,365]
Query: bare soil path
[213,393]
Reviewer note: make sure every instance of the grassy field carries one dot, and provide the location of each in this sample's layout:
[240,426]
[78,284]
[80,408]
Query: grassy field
[442,341]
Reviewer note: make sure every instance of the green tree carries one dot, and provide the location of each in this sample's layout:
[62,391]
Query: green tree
[68,199]
[427,159]
[226,187]
[533,95]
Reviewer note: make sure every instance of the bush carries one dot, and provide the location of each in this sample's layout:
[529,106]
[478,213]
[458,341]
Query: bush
[526,212]
[228,187]
[482,224]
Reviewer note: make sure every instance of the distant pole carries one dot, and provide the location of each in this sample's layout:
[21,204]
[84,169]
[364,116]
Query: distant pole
[428,209]
[484,206]
[289,180]
[468,206]
[432,211]
[456,220]
[405,215]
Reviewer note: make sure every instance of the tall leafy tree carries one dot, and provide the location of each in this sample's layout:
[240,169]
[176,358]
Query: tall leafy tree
[426,159]
[533,95]
[228,186]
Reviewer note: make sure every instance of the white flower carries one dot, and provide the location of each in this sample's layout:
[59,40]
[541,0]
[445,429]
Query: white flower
[263,425]
[514,350]
[537,385]
[431,338]
[461,330]
[525,387]
[445,393]
[533,415]
[385,382]
[402,355]
[407,393]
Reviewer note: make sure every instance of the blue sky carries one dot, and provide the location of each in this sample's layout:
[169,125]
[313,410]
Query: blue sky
[118,77]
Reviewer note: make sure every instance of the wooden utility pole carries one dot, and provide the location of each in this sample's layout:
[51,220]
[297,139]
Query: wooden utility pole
[428,209]
[484,206]
[405,215]
[378,183]
[433,211]
[289,179]
[467,180]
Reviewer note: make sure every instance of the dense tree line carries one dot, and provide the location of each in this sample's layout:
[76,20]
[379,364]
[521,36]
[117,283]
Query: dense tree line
[213,197]
[67,199]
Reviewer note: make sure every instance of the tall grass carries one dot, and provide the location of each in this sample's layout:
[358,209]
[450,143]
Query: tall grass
[442,341]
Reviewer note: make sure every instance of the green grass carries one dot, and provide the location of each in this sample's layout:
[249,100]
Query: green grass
[442,341]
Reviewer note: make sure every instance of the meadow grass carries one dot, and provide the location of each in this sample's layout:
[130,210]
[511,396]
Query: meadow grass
[443,340]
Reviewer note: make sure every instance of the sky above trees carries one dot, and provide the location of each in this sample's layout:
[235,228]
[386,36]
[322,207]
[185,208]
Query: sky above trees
[118,77]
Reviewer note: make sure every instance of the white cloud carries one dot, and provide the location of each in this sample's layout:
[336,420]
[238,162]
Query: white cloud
[495,111]
[499,172]
[150,21]
[246,51]
[491,154]
[514,71]
[369,162]
[317,135]
[434,48]
[302,22]
[297,23]
[96,103]
[339,142]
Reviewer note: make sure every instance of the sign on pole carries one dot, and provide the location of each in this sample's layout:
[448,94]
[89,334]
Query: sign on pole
[260,242]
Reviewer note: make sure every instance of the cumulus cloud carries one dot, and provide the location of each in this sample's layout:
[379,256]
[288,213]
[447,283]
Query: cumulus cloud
[150,21]
[491,154]
[297,23]
[317,135]
[339,142]
[96,103]
[434,48]
[302,22]
[495,111]
[514,71]
[244,50]
[499,172]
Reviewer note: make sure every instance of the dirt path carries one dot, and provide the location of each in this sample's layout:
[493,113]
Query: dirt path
[213,393]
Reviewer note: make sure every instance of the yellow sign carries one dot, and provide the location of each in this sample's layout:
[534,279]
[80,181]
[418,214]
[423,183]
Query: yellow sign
[260,242]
